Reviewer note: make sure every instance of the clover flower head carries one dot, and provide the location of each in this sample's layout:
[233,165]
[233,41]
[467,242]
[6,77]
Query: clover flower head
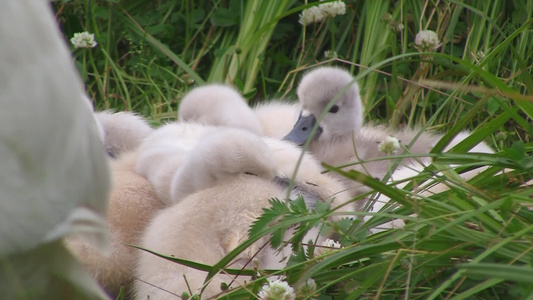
[277,290]
[311,15]
[328,246]
[399,27]
[389,145]
[395,26]
[333,9]
[386,17]
[427,40]
[83,40]
[330,54]
[501,136]
[478,56]
[331,243]
[318,13]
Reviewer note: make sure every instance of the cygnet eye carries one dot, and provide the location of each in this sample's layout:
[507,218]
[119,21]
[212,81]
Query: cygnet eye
[250,173]
[334,109]
[310,183]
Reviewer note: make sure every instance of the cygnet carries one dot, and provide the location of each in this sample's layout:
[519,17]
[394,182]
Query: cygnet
[163,152]
[123,131]
[341,138]
[222,154]
[132,204]
[218,105]
[203,227]
[233,174]
[209,222]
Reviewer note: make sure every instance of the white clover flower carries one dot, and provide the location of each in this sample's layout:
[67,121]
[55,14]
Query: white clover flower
[333,9]
[330,54]
[478,56]
[331,244]
[307,290]
[277,290]
[328,246]
[389,145]
[311,15]
[395,26]
[399,27]
[501,136]
[317,13]
[83,40]
[427,40]
[386,17]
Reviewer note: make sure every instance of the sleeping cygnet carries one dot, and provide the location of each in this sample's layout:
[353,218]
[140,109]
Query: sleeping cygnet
[222,154]
[162,153]
[214,217]
[203,227]
[132,204]
[220,188]
[222,105]
[223,185]
[218,105]
[123,131]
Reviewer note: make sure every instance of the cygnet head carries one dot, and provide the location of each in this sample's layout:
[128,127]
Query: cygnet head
[218,105]
[123,131]
[315,91]
[222,155]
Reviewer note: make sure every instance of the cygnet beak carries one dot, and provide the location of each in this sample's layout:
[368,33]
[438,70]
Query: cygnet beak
[302,130]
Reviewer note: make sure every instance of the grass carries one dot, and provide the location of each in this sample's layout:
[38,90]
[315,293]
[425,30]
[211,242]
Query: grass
[473,241]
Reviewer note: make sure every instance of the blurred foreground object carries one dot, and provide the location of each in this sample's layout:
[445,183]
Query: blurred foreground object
[54,177]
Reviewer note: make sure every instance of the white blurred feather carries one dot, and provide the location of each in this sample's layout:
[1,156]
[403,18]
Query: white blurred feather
[54,177]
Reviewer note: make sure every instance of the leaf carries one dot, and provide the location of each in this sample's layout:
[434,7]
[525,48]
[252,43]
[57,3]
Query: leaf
[196,265]
[197,15]
[298,205]
[250,94]
[506,272]
[225,17]
[343,225]
[322,207]
[492,106]
[518,154]
[277,209]
[277,237]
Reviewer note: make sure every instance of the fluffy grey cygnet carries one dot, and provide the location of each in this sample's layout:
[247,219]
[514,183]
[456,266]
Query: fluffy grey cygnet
[220,155]
[123,131]
[341,137]
[218,105]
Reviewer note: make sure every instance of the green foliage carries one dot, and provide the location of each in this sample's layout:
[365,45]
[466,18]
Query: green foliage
[290,214]
[473,240]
